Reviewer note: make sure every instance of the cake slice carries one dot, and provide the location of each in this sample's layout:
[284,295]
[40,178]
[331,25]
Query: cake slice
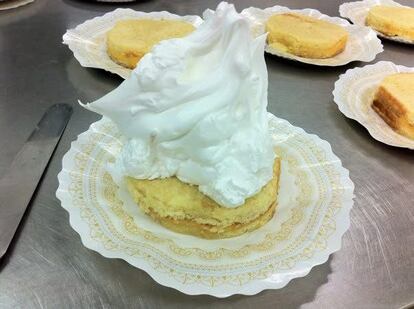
[392,20]
[305,36]
[129,40]
[394,102]
[181,207]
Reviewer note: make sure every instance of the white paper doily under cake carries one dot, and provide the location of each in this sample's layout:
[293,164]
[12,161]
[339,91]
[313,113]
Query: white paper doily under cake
[315,198]
[354,93]
[357,12]
[362,45]
[88,40]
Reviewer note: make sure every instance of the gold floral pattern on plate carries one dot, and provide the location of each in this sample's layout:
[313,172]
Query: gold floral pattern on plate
[304,231]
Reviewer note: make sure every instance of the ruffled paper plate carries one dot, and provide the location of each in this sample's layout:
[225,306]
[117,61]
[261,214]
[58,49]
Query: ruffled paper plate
[315,198]
[362,45]
[354,93]
[357,12]
[88,40]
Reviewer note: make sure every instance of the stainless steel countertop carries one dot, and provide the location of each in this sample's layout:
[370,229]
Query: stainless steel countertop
[49,267]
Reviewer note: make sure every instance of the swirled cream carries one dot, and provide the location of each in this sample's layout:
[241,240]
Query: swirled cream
[195,108]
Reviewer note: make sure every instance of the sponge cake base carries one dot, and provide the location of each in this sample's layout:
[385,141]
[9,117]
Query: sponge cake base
[181,207]
[392,21]
[129,40]
[305,36]
[393,101]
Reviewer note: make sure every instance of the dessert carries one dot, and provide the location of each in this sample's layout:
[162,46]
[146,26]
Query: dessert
[197,153]
[305,36]
[184,209]
[394,102]
[129,40]
[392,20]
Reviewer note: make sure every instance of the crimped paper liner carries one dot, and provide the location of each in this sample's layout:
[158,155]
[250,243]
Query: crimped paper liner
[357,12]
[12,4]
[354,93]
[311,229]
[362,45]
[88,40]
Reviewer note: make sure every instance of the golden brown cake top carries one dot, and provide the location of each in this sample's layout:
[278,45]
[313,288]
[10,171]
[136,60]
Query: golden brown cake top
[147,32]
[180,200]
[401,86]
[306,27]
[401,15]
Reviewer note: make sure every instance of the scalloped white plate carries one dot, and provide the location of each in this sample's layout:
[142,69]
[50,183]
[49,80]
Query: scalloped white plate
[354,93]
[88,40]
[315,197]
[362,45]
[357,12]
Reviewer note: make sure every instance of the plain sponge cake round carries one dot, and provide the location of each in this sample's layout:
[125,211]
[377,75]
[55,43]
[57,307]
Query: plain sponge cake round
[394,102]
[392,20]
[181,207]
[305,36]
[129,40]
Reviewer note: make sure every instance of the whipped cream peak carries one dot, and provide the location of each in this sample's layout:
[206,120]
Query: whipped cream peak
[195,108]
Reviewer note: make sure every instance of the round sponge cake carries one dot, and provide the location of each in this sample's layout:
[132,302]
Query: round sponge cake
[392,20]
[305,36]
[394,102]
[181,207]
[129,40]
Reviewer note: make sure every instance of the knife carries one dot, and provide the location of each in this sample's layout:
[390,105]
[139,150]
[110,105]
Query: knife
[20,181]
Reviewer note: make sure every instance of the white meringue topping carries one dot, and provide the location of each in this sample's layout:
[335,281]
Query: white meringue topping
[195,108]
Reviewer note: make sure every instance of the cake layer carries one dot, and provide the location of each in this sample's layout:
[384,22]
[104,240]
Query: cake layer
[394,102]
[129,40]
[208,231]
[305,36]
[392,20]
[183,208]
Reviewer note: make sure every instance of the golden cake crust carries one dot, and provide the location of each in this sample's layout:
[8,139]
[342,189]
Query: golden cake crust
[209,231]
[129,40]
[183,208]
[305,36]
[392,21]
[394,102]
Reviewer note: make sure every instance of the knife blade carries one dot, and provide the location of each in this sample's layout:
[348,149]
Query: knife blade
[20,181]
